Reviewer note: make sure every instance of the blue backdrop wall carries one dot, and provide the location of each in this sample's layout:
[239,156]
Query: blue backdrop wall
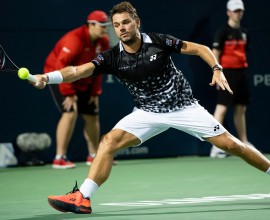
[30,28]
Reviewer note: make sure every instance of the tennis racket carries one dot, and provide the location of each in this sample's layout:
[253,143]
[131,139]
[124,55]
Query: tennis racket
[7,65]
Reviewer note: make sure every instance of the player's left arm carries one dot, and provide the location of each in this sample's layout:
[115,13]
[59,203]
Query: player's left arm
[207,55]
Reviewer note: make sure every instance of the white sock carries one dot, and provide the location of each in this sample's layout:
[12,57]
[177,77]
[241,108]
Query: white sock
[59,156]
[268,171]
[92,155]
[88,188]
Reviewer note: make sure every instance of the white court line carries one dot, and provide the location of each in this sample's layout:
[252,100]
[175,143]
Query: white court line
[191,200]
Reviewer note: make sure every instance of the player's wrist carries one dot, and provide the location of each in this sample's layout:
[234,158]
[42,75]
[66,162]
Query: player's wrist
[54,77]
[217,67]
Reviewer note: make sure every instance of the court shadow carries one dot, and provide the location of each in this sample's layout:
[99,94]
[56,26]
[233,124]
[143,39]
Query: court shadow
[54,217]
[155,211]
[159,211]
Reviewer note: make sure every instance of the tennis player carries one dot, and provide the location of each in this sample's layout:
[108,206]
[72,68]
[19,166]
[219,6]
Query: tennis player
[163,100]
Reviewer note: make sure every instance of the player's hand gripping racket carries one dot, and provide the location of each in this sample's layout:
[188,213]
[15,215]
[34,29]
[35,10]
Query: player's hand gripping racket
[7,65]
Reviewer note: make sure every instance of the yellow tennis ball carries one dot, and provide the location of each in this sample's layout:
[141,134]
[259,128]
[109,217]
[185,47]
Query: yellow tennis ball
[23,73]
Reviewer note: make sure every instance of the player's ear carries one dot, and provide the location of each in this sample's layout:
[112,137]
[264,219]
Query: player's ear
[138,22]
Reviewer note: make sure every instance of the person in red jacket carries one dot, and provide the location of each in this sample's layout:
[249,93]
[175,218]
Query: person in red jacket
[230,45]
[77,47]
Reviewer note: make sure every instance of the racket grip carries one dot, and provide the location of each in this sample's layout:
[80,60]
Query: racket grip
[31,78]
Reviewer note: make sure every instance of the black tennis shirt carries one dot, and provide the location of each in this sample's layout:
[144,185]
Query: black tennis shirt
[150,74]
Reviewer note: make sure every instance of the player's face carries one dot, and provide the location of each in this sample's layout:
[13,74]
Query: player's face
[125,27]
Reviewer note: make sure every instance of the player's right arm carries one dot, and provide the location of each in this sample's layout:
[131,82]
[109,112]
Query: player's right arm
[67,74]
[74,73]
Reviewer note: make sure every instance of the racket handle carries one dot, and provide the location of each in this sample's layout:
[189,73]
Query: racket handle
[31,78]
[23,73]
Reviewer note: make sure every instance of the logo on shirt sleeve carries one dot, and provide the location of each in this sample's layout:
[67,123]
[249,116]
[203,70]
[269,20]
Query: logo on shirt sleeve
[98,60]
[172,42]
[168,42]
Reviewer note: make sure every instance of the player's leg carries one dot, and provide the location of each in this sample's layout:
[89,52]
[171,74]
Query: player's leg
[219,115]
[78,201]
[132,130]
[92,136]
[234,146]
[110,143]
[199,123]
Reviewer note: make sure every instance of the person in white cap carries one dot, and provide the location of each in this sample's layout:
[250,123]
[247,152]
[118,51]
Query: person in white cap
[80,98]
[230,45]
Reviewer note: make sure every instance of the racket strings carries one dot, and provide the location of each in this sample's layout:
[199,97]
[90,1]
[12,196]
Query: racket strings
[2,58]
[4,64]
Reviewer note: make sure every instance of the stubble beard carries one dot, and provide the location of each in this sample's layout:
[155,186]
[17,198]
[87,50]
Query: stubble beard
[129,41]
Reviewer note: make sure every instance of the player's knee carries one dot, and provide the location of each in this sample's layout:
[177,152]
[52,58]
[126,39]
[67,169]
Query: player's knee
[235,147]
[108,144]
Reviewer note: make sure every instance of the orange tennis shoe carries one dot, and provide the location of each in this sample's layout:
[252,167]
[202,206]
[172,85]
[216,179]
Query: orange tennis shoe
[71,202]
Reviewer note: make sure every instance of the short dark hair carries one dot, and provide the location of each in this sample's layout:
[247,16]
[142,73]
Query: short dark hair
[124,7]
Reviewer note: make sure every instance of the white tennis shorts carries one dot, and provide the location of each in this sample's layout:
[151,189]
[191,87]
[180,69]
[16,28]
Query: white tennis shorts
[194,120]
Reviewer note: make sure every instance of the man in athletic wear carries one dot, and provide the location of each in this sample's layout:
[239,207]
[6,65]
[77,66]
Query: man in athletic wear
[162,96]
[77,47]
[230,45]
